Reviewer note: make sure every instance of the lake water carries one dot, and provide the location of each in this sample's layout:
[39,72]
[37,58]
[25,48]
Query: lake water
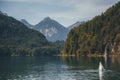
[58,68]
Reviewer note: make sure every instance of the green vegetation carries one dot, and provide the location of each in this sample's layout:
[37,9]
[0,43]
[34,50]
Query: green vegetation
[17,40]
[97,36]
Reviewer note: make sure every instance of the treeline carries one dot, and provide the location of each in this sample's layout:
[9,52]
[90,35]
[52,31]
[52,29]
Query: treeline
[97,36]
[26,51]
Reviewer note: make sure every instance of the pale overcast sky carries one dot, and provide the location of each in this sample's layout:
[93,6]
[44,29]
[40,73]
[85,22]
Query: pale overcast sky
[65,12]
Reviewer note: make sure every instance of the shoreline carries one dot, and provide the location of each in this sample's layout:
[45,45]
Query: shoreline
[94,55]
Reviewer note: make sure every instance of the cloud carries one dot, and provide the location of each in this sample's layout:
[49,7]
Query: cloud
[64,11]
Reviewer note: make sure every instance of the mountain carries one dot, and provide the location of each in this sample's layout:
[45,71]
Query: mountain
[51,29]
[26,23]
[99,36]
[3,13]
[18,40]
[75,25]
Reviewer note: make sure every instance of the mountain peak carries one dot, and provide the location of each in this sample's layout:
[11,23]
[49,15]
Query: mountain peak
[25,22]
[47,19]
[52,29]
[3,13]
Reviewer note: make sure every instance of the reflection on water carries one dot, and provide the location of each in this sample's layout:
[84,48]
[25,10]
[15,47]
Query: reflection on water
[100,75]
[58,68]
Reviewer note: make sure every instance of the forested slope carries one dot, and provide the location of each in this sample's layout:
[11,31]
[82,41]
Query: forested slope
[97,36]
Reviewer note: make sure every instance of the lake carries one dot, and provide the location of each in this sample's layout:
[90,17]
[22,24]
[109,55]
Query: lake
[58,68]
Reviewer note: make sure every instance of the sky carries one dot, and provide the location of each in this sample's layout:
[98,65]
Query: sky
[66,12]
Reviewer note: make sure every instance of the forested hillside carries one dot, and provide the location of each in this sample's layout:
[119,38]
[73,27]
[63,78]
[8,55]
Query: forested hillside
[18,40]
[98,36]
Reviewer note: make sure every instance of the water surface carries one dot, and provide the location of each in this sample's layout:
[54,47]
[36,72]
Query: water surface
[58,68]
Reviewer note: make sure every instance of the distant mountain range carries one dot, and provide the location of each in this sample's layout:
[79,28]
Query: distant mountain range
[51,29]
[75,25]
[16,39]
[26,23]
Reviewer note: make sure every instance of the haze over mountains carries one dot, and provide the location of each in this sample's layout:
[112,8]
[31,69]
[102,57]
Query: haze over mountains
[51,29]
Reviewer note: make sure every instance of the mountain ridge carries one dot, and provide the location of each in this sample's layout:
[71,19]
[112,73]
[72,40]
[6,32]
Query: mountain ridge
[51,29]
[16,39]
[25,22]
[76,24]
